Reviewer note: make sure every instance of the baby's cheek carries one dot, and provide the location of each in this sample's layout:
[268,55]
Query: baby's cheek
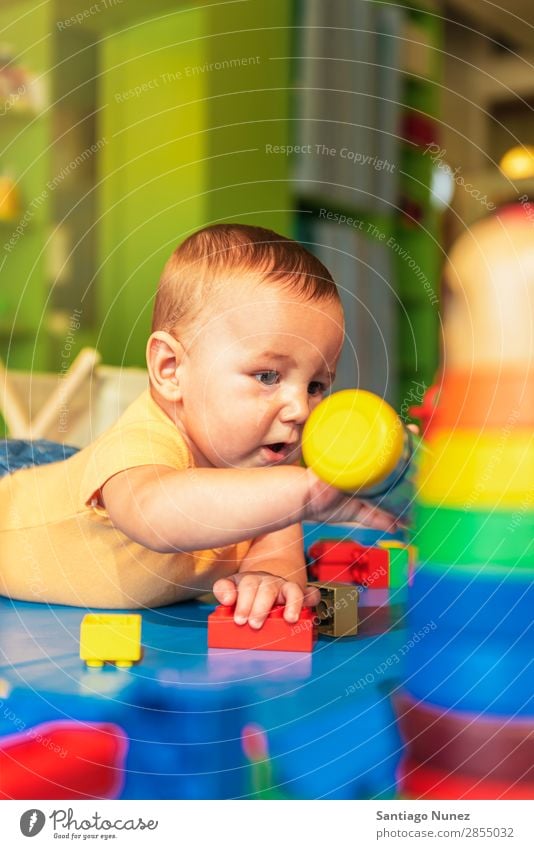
[260,417]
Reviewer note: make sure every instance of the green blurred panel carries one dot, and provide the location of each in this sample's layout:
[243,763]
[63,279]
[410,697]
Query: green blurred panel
[25,352]
[422,96]
[418,336]
[417,265]
[152,168]
[190,102]
[248,114]
[104,15]
[26,26]
[22,292]
[415,175]
[25,155]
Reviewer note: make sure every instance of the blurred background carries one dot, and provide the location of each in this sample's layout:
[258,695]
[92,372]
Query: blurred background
[374,132]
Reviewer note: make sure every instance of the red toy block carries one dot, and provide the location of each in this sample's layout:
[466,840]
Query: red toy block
[63,760]
[275,635]
[349,562]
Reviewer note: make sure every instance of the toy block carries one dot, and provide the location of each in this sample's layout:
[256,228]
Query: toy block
[349,562]
[402,560]
[332,560]
[112,637]
[275,634]
[337,611]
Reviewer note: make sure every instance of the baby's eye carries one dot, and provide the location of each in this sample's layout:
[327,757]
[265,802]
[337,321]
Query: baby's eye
[268,378]
[317,388]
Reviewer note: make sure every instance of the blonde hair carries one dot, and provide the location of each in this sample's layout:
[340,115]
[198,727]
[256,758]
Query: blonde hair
[205,263]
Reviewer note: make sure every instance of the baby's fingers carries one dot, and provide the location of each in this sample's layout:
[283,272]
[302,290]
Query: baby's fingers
[264,598]
[293,598]
[225,591]
[373,517]
[312,597]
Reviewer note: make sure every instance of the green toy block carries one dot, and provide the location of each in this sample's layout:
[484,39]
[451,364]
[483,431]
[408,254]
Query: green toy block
[401,563]
[399,566]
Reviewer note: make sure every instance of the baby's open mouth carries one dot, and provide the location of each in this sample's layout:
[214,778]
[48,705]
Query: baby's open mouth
[276,446]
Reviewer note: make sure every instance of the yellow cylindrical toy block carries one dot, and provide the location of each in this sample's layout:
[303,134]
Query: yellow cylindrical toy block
[353,440]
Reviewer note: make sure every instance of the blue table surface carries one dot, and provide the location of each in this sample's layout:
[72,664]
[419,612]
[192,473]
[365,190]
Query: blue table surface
[327,715]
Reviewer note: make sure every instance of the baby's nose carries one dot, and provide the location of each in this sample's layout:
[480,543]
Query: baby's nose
[296,407]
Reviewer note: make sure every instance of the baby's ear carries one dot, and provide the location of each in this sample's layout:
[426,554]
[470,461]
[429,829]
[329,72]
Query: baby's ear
[164,355]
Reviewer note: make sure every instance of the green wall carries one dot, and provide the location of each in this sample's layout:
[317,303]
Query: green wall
[188,105]
[25,143]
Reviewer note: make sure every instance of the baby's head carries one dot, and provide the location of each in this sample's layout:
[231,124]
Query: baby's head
[246,334]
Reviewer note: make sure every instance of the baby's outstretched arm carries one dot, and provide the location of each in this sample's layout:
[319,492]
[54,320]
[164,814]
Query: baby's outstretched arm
[167,510]
[187,510]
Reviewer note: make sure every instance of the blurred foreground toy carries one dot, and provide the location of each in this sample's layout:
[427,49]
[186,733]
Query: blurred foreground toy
[422,782]
[63,760]
[467,711]
[458,742]
[256,751]
[275,634]
[110,637]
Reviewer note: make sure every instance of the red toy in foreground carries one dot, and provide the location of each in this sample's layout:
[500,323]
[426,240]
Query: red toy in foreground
[421,782]
[275,635]
[63,760]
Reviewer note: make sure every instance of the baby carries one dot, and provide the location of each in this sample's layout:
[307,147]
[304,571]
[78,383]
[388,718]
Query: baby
[198,486]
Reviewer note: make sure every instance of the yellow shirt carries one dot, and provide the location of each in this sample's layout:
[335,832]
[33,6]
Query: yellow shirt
[58,545]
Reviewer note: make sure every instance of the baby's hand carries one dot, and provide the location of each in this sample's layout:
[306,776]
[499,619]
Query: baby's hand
[255,593]
[325,503]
